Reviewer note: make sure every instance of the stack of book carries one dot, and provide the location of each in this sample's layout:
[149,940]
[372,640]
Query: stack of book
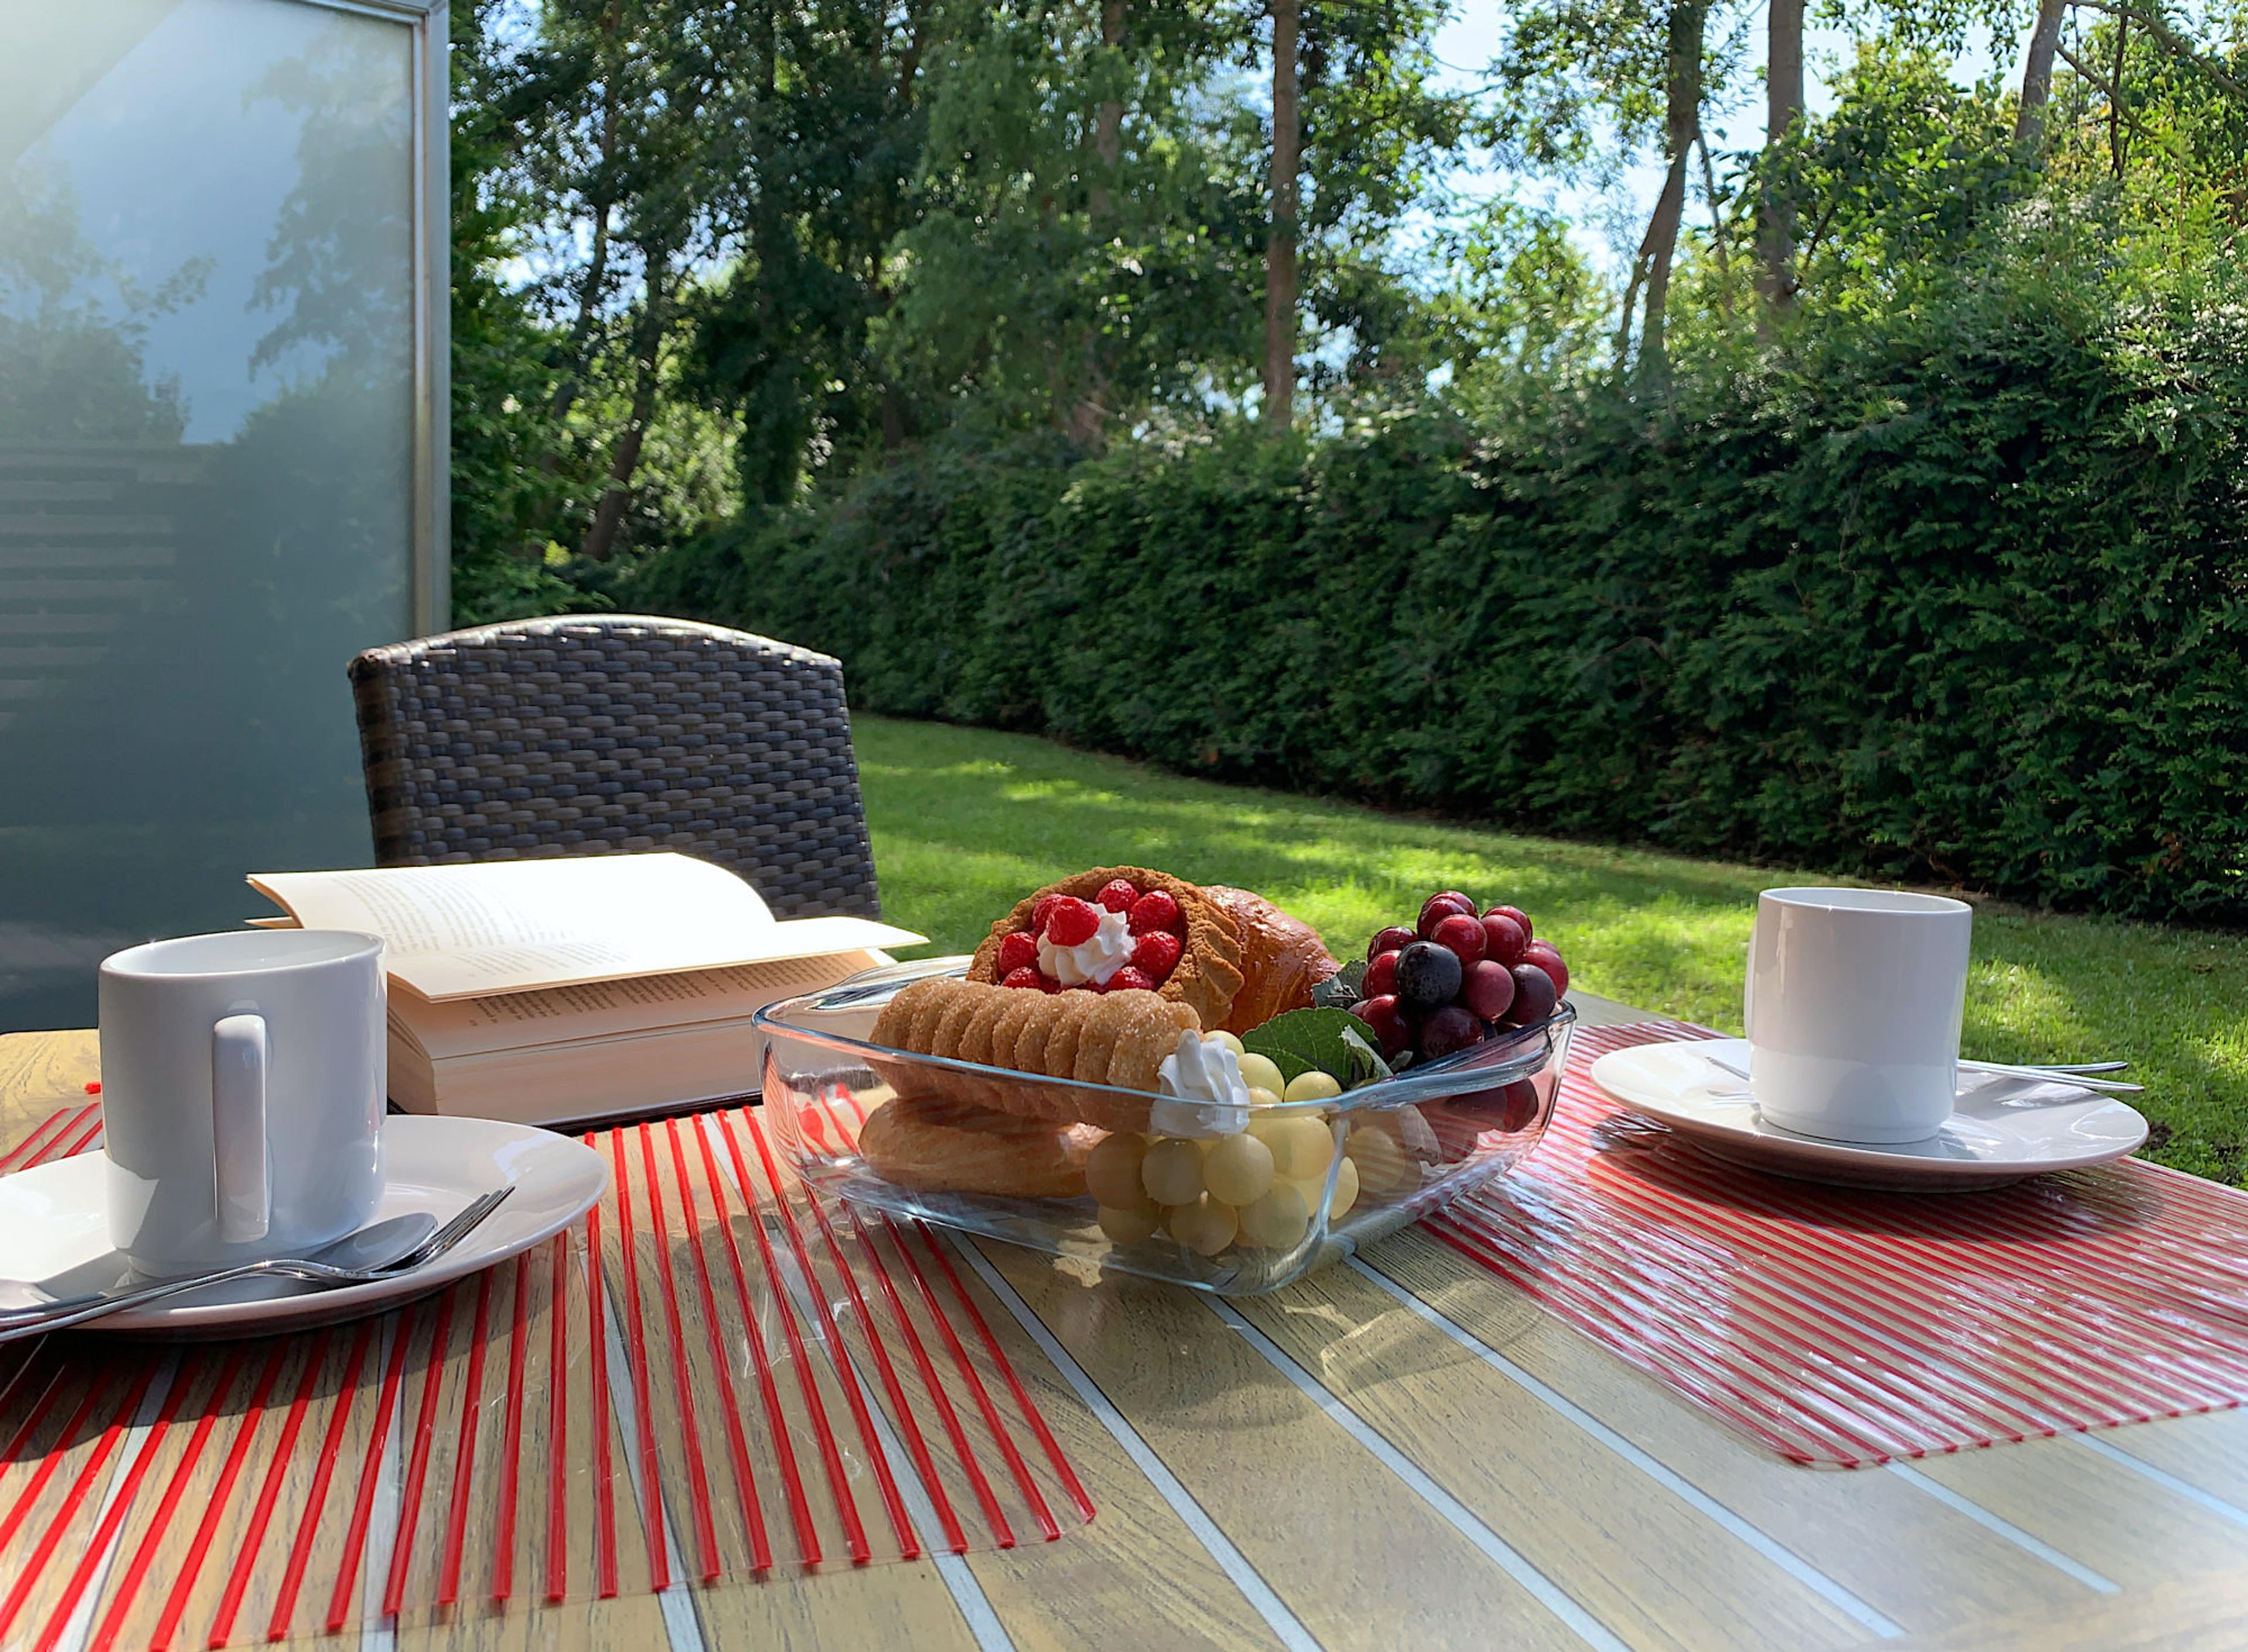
[563,991]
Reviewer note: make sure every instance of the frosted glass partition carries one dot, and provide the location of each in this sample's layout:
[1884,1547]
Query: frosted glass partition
[221,445]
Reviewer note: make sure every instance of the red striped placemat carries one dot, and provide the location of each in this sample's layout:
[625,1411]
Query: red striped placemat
[1848,1328]
[752,1383]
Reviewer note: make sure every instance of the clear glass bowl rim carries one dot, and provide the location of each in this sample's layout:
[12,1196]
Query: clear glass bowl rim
[1434,1082]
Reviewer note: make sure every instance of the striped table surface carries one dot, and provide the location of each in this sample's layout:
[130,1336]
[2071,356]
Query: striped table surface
[1403,1451]
[474,1449]
[1848,1329]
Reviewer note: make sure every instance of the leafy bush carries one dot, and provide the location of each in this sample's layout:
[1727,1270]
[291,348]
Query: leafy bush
[1959,593]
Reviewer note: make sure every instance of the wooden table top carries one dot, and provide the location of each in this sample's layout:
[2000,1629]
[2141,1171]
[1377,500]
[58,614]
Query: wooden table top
[1325,1467]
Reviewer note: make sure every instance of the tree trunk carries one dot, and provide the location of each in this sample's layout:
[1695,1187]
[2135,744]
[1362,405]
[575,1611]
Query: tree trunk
[894,406]
[2036,74]
[1656,253]
[1109,121]
[1088,425]
[589,295]
[2115,139]
[603,205]
[1280,247]
[771,453]
[1682,129]
[609,514]
[897,419]
[916,45]
[1089,418]
[1784,107]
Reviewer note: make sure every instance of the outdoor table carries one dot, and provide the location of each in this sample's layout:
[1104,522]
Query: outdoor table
[1322,1467]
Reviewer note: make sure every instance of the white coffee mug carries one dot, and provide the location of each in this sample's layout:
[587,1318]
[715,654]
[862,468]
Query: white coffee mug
[242,1094]
[1853,1002]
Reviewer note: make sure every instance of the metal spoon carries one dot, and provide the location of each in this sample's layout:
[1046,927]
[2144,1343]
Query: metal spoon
[2080,1077]
[2077,1076]
[382,1250]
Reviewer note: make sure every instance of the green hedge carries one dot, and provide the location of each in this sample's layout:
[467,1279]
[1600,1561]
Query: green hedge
[1960,596]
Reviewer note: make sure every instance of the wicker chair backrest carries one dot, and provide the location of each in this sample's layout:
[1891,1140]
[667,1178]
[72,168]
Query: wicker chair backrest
[592,734]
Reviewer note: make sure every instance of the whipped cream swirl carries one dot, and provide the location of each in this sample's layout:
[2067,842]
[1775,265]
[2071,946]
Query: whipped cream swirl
[1203,1092]
[1090,963]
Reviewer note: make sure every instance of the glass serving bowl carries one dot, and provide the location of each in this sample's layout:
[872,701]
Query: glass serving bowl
[1413,1143]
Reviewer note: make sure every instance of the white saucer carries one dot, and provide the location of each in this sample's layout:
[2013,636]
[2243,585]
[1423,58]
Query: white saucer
[54,1218]
[2003,1129]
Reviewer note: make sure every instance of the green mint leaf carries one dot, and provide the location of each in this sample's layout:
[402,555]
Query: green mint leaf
[1328,1040]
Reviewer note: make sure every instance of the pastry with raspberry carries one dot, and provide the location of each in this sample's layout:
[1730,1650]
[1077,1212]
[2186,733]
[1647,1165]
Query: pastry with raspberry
[1232,957]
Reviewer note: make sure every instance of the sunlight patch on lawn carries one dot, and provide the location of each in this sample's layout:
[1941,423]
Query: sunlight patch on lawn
[2021,999]
[966,822]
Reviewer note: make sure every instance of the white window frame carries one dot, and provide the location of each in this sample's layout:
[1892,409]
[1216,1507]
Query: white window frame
[432,550]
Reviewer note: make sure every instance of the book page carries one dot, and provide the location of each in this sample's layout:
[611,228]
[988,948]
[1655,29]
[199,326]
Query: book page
[501,903]
[513,925]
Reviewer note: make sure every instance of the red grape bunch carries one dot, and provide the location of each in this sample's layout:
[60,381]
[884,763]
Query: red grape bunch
[1457,979]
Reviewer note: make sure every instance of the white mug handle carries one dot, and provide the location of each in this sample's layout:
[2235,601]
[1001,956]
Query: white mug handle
[243,1190]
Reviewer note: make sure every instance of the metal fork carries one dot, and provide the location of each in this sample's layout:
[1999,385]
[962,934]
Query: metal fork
[69,1313]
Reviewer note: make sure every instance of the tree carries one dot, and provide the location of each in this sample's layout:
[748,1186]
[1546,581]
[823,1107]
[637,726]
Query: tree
[818,186]
[513,470]
[1784,108]
[1376,134]
[1280,248]
[1524,309]
[1682,130]
[1588,85]
[1088,424]
[618,113]
[1907,173]
[1090,222]
[2036,73]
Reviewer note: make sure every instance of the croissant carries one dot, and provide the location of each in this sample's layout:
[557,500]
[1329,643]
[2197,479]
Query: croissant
[1283,959]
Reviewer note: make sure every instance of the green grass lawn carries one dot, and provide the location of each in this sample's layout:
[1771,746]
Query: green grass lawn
[966,821]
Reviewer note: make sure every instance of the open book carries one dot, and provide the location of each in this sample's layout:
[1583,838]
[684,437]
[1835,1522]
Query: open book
[596,986]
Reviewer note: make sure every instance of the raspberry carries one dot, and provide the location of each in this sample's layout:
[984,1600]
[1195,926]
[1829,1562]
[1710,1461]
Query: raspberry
[1117,895]
[1129,979]
[1019,951]
[1072,923]
[1157,954]
[1039,912]
[1026,976]
[1152,911]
